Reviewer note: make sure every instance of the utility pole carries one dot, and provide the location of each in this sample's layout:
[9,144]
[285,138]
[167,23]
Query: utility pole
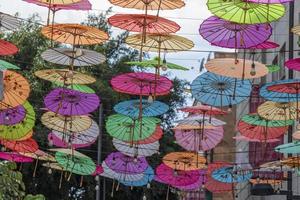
[99,152]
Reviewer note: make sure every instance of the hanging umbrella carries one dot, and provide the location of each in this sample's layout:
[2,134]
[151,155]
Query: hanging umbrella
[149,4]
[9,22]
[293,64]
[64,76]
[16,90]
[59,2]
[270,1]
[25,146]
[136,150]
[68,151]
[185,161]
[296,30]
[193,127]
[195,140]
[77,57]
[127,129]
[6,65]
[278,110]
[218,90]
[195,186]
[121,163]
[27,136]
[198,120]
[39,155]
[12,116]
[99,170]
[246,139]
[228,34]
[217,187]
[77,87]
[15,157]
[293,162]
[7,48]
[231,174]
[71,102]
[148,176]
[155,136]
[173,177]
[245,12]
[132,108]
[65,124]
[79,5]
[236,68]
[273,68]
[143,23]
[74,34]
[141,83]
[291,148]
[257,120]
[266,45]
[203,110]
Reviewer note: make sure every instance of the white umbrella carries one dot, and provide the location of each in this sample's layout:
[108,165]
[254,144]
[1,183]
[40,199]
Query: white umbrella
[8,22]
[195,120]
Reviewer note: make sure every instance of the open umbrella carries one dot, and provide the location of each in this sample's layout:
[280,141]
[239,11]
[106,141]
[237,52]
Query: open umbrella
[149,4]
[71,102]
[185,161]
[39,155]
[99,170]
[15,157]
[12,116]
[296,30]
[270,1]
[203,110]
[245,12]
[232,174]
[7,48]
[59,2]
[246,139]
[193,127]
[218,90]
[148,176]
[266,45]
[217,187]
[278,110]
[6,65]
[273,68]
[198,120]
[255,119]
[224,33]
[78,87]
[132,108]
[9,22]
[25,146]
[291,148]
[155,136]
[196,185]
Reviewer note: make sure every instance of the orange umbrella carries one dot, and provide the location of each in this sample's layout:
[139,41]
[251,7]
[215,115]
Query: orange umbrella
[26,146]
[27,136]
[149,4]
[293,162]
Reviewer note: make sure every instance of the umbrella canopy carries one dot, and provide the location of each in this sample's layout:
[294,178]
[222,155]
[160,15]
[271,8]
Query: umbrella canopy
[278,110]
[148,176]
[75,164]
[54,166]
[236,68]
[197,120]
[7,48]
[74,34]
[270,1]
[99,170]
[218,90]
[293,64]
[155,136]
[132,108]
[157,42]
[203,110]
[292,148]
[266,45]
[228,34]
[195,140]
[16,89]
[185,161]
[12,116]
[273,68]
[71,102]
[9,22]
[296,30]
[64,76]
[65,124]
[127,129]
[149,4]
[245,12]
[25,146]
[39,155]
[246,139]
[195,186]
[6,65]
[216,186]
[293,162]
[257,120]
[59,2]
[193,127]
[176,177]
[143,23]
[69,151]
[15,157]
[136,150]
[231,175]
[77,57]
[141,83]
[78,87]
[79,5]
[121,163]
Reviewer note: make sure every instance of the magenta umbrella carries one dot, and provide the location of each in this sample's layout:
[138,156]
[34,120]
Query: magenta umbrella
[12,116]
[121,163]
[141,83]
[15,157]
[246,139]
[99,170]
[222,33]
[293,64]
[266,45]
[71,102]
[198,184]
[197,140]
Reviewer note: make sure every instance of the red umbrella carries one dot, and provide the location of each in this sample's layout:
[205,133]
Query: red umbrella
[7,48]
[25,146]
[290,88]
[203,109]
[158,133]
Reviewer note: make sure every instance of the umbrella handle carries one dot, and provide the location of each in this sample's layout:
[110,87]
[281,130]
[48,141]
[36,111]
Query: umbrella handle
[112,190]
[69,177]
[81,181]
[118,186]
[168,191]
[35,167]
[60,180]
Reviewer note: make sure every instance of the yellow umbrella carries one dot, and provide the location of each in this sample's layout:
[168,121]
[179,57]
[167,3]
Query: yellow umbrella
[149,4]
[293,162]
[73,124]
[278,110]
[26,137]
[74,34]
[186,161]
[296,30]
[265,181]
[64,76]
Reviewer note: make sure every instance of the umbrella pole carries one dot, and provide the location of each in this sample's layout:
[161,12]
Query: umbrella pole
[168,191]
[60,180]
[81,181]
[234,89]
[49,10]
[35,168]
[112,189]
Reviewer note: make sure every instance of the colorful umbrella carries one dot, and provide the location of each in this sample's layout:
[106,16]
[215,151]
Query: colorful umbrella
[71,102]
[155,136]
[270,1]
[6,65]
[257,120]
[79,5]
[74,34]
[7,48]
[132,108]
[39,155]
[8,22]
[195,140]
[193,127]
[99,170]
[64,76]
[25,146]
[293,64]
[246,139]
[231,174]
[136,150]
[291,148]
[12,116]
[185,161]
[203,110]
[195,186]
[127,129]
[273,68]
[245,12]
[149,4]
[266,45]
[59,2]
[78,87]
[77,57]
[216,186]
[68,151]
[218,90]
[143,23]
[148,176]
[228,34]
[15,157]
[296,30]
[278,110]
[199,120]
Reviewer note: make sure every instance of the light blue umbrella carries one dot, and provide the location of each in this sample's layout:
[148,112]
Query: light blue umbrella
[218,90]
[231,175]
[292,148]
[6,65]
[131,108]
[147,178]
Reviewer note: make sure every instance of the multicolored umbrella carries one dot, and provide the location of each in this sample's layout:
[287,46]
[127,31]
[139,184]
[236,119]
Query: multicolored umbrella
[25,146]
[218,90]
[224,33]
[217,187]
[185,161]
[203,110]
[135,108]
[200,120]
[245,12]
[9,22]
[6,65]
[12,116]
[141,83]
[291,148]
[78,87]
[15,157]
[255,119]
[231,174]
[7,48]
[79,5]
[155,136]
[278,110]
[148,176]
[71,102]
[195,186]
[39,155]
[149,4]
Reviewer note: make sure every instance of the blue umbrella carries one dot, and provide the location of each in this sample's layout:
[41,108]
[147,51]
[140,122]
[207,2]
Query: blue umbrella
[231,175]
[218,90]
[292,148]
[131,108]
[280,96]
[147,178]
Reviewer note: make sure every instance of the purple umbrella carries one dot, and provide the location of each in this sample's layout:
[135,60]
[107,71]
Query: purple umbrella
[81,5]
[12,116]
[198,184]
[71,102]
[228,34]
[121,163]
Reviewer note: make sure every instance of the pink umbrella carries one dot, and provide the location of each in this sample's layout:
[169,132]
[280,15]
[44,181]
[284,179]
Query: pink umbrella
[246,139]
[293,64]
[266,45]
[82,5]
[198,184]
[197,140]
[15,157]
[59,142]
[99,170]
[217,187]
[141,83]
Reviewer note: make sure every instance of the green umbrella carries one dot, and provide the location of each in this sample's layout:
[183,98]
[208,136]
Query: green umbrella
[154,64]
[255,119]
[17,131]
[6,65]
[80,88]
[127,129]
[244,12]
[76,164]
[273,68]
